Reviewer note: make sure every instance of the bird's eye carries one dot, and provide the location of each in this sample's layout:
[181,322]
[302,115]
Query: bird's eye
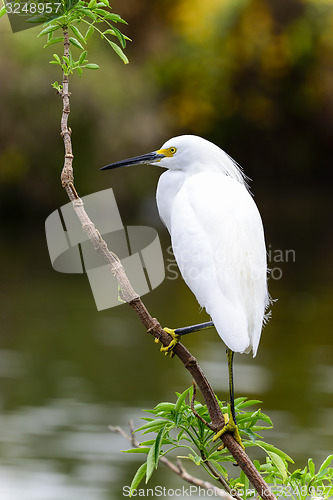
[172,150]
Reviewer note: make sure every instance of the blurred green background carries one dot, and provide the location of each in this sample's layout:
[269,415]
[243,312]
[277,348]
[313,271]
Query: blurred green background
[256,78]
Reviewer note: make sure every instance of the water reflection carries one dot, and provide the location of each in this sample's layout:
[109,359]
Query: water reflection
[62,450]
[67,372]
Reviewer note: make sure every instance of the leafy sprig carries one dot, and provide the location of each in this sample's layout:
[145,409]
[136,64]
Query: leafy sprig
[178,428]
[82,18]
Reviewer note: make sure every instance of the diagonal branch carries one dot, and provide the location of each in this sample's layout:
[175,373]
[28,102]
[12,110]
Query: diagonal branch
[130,296]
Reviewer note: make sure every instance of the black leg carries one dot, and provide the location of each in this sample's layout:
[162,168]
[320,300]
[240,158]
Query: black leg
[231,426]
[230,356]
[194,328]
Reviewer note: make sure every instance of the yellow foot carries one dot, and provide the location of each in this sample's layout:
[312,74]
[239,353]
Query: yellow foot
[231,427]
[175,339]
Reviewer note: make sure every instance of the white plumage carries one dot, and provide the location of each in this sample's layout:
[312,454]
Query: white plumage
[217,237]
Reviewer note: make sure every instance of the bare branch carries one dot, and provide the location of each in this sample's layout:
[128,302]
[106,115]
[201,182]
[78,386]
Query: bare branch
[134,442]
[218,492]
[120,430]
[130,296]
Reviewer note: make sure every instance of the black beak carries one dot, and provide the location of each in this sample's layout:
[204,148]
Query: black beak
[136,160]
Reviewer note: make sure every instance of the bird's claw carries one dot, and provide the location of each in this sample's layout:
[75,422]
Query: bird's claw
[169,348]
[230,427]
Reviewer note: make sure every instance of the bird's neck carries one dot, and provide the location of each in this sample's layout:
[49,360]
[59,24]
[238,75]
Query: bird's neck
[168,187]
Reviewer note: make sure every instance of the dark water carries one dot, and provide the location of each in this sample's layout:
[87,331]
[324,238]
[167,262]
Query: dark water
[68,371]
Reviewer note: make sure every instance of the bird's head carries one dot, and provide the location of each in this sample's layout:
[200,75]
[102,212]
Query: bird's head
[167,157]
[189,153]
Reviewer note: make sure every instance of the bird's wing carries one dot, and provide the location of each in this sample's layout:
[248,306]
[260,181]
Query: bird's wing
[218,242]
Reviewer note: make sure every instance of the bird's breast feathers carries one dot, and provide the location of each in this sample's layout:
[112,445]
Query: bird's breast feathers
[218,242]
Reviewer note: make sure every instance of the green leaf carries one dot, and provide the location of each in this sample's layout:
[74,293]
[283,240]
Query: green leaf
[155,423]
[54,40]
[165,406]
[256,428]
[277,457]
[82,57]
[86,12]
[89,32]
[249,402]
[244,480]
[3,11]
[91,66]
[311,466]
[49,29]
[152,441]
[137,450]
[270,447]
[57,58]
[154,454]
[265,418]
[248,418]
[296,474]
[326,463]
[158,444]
[51,21]
[118,51]
[195,458]
[253,418]
[216,455]
[75,42]
[220,469]
[78,33]
[250,434]
[57,86]
[114,31]
[256,463]
[114,17]
[150,463]
[100,12]
[279,464]
[181,399]
[198,406]
[180,435]
[40,18]
[239,400]
[139,475]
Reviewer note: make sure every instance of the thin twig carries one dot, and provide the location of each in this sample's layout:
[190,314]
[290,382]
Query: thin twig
[134,442]
[179,468]
[199,482]
[219,477]
[120,430]
[130,296]
[195,413]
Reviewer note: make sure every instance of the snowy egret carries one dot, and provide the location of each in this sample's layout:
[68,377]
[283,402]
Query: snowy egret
[218,241]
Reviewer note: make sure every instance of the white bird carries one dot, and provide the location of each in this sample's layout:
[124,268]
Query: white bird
[217,238]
